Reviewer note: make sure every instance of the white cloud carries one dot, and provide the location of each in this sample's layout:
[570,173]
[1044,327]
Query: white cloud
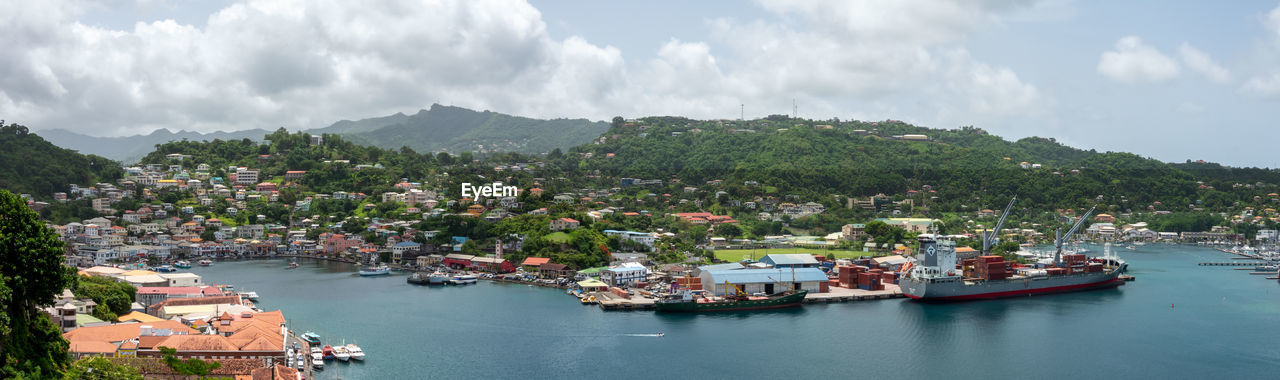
[1134,62]
[1263,85]
[1200,61]
[264,64]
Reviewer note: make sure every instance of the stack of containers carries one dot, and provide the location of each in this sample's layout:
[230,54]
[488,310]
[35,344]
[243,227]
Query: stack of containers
[691,283]
[1093,267]
[1075,263]
[992,268]
[967,268]
[889,278]
[1056,271]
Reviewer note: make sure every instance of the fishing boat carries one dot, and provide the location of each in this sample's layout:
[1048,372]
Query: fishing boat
[437,278]
[340,353]
[380,270]
[311,338]
[206,262]
[183,264]
[355,352]
[327,352]
[463,279]
[689,302]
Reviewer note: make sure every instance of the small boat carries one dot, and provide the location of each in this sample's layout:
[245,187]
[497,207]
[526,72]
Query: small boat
[166,269]
[317,361]
[355,352]
[312,339]
[327,352]
[380,270]
[463,279]
[589,300]
[418,278]
[293,265]
[206,262]
[252,296]
[340,353]
[437,278]
[183,264]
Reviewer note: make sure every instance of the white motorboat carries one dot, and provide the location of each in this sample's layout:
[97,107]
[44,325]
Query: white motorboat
[355,351]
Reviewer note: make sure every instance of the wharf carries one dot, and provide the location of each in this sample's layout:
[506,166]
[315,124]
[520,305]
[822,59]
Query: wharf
[1235,264]
[612,302]
[308,372]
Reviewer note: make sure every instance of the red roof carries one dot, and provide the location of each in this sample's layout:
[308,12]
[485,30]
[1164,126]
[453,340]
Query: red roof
[568,220]
[535,261]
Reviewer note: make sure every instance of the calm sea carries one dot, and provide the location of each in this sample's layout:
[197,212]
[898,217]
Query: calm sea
[1178,320]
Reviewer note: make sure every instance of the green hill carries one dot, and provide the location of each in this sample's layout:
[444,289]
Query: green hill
[456,129]
[31,165]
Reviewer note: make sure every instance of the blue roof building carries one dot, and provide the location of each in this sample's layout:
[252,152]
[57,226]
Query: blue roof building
[795,260]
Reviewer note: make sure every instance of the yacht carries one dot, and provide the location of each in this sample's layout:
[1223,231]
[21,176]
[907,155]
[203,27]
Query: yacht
[252,296]
[340,353]
[380,270]
[206,262]
[183,264]
[463,279]
[437,278]
[355,352]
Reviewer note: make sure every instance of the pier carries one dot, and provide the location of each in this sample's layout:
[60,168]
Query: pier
[612,302]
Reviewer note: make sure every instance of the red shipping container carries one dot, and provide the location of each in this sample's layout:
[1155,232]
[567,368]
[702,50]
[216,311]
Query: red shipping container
[990,259]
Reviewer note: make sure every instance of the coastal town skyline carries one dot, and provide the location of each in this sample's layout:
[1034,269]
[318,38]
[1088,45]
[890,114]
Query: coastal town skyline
[1091,76]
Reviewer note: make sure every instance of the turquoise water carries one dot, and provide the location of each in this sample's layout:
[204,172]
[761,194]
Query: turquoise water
[1221,325]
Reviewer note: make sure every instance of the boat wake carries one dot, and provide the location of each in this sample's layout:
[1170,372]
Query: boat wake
[645,335]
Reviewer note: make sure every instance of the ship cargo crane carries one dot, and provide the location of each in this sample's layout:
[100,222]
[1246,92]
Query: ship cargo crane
[990,239]
[1059,238]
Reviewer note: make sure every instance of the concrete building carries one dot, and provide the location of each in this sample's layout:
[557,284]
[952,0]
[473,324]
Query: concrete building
[624,274]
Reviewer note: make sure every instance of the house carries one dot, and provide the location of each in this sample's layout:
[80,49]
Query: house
[553,271]
[405,247]
[564,224]
[766,281]
[106,340]
[533,264]
[1105,218]
[624,274]
[428,260]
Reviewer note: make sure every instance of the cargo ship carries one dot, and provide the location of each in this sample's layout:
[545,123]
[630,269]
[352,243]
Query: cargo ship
[688,302]
[938,275]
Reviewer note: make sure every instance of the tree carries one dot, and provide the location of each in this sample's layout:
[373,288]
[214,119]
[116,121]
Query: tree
[96,367]
[188,367]
[729,230]
[31,274]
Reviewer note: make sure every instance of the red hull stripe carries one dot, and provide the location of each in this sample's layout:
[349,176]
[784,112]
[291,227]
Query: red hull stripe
[1011,293]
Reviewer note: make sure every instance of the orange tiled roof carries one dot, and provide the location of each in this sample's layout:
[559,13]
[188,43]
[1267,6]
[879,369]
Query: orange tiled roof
[199,343]
[92,346]
[122,331]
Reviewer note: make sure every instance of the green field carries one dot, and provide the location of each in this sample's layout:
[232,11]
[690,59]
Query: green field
[557,237]
[736,255]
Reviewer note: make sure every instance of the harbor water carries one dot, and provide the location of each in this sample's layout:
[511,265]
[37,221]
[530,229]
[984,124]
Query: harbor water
[1178,320]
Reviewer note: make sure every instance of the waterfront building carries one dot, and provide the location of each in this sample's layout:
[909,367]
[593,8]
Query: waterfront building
[492,264]
[148,296]
[767,281]
[458,261]
[554,271]
[624,274]
[533,264]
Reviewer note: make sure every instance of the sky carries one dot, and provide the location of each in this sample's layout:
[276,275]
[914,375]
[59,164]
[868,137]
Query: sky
[1171,80]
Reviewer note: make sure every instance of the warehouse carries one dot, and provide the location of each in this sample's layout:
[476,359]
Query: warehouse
[767,281]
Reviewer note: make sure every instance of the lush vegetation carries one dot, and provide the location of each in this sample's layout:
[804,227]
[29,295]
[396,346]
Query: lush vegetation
[736,255]
[31,275]
[100,368]
[31,165]
[113,297]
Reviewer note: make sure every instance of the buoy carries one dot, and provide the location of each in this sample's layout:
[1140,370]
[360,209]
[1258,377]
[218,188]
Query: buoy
[1170,306]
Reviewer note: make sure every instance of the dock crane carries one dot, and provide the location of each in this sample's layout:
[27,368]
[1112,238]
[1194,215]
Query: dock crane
[1059,238]
[991,237]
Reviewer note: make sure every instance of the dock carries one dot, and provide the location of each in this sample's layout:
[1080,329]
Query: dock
[1235,264]
[612,302]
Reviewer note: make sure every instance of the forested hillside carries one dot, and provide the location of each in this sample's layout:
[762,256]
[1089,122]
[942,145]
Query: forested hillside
[31,165]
